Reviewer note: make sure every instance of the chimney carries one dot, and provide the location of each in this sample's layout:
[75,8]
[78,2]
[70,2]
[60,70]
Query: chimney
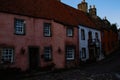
[92,11]
[83,6]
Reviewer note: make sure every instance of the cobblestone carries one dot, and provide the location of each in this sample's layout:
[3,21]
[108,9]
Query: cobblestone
[72,75]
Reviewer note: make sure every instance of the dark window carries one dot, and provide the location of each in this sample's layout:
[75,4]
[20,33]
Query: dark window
[96,35]
[19,26]
[69,32]
[47,29]
[82,34]
[89,35]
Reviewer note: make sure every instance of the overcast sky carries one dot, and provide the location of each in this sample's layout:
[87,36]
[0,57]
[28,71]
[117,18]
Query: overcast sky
[108,8]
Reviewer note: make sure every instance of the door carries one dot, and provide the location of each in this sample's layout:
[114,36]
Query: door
[33,57]
[92,56]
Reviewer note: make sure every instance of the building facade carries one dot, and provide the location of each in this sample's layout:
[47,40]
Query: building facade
[31,43]
[89,44]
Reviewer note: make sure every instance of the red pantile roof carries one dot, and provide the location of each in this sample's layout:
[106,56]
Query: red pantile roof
[48,9]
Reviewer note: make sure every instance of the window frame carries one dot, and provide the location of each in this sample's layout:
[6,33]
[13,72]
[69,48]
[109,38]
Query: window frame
[82,34]
[70,32]
[83,52]
[3,54]
[17,26]
[47,32]
[72,54]
[49,53]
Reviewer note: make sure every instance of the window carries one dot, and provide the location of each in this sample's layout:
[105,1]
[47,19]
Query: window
[82,34]
[47,53]
[7,55]
[89,35]
[47,29]
[96,35]
[70,53]
[83,52]
[69,32]
[19,26]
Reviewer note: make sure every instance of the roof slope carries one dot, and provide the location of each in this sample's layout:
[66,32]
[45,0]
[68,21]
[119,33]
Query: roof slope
[81,17]
[48,9]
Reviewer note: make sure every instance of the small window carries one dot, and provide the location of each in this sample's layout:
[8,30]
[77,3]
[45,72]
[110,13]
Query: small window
[47,29]
[19,26]
[96,35]
[70,52]
[69,32]
[7,55]
[89,35]
[82,34]
[83,52]
[47,53]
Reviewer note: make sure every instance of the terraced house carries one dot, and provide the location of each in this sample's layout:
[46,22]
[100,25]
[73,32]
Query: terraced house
[45,33]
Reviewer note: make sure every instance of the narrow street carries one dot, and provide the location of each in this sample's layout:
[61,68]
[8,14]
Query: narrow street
[108,69]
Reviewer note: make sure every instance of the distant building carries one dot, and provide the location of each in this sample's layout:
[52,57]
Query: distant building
[108,31]
[119,36]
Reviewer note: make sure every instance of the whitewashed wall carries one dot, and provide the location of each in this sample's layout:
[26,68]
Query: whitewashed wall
[84,43]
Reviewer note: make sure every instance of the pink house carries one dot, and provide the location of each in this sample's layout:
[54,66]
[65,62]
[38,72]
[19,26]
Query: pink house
[37,39]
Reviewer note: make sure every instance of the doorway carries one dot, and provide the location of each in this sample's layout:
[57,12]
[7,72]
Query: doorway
[92,55]
[33,57]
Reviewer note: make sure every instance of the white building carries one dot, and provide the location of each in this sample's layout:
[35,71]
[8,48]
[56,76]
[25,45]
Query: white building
[89,44]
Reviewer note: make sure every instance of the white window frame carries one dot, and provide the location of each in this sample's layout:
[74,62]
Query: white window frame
[83,52]
[47,29]
[82,34]
[7,55]
[70,52]
[69,32]
[19,26]
[48,53]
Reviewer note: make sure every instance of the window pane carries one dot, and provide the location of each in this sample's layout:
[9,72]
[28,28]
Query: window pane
[70,53]
[47,53]
[19,26]
[47,29]
[7,55]
[69,32]
[82,34]
[83,52]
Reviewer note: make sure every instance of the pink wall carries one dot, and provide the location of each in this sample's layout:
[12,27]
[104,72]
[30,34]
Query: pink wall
[34,37]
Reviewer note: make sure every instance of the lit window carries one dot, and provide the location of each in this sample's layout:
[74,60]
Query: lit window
[69,32]
[47,29]
[19,26]
[47,53]
[70,53]
[7,55]
[83,52]
[82,34]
